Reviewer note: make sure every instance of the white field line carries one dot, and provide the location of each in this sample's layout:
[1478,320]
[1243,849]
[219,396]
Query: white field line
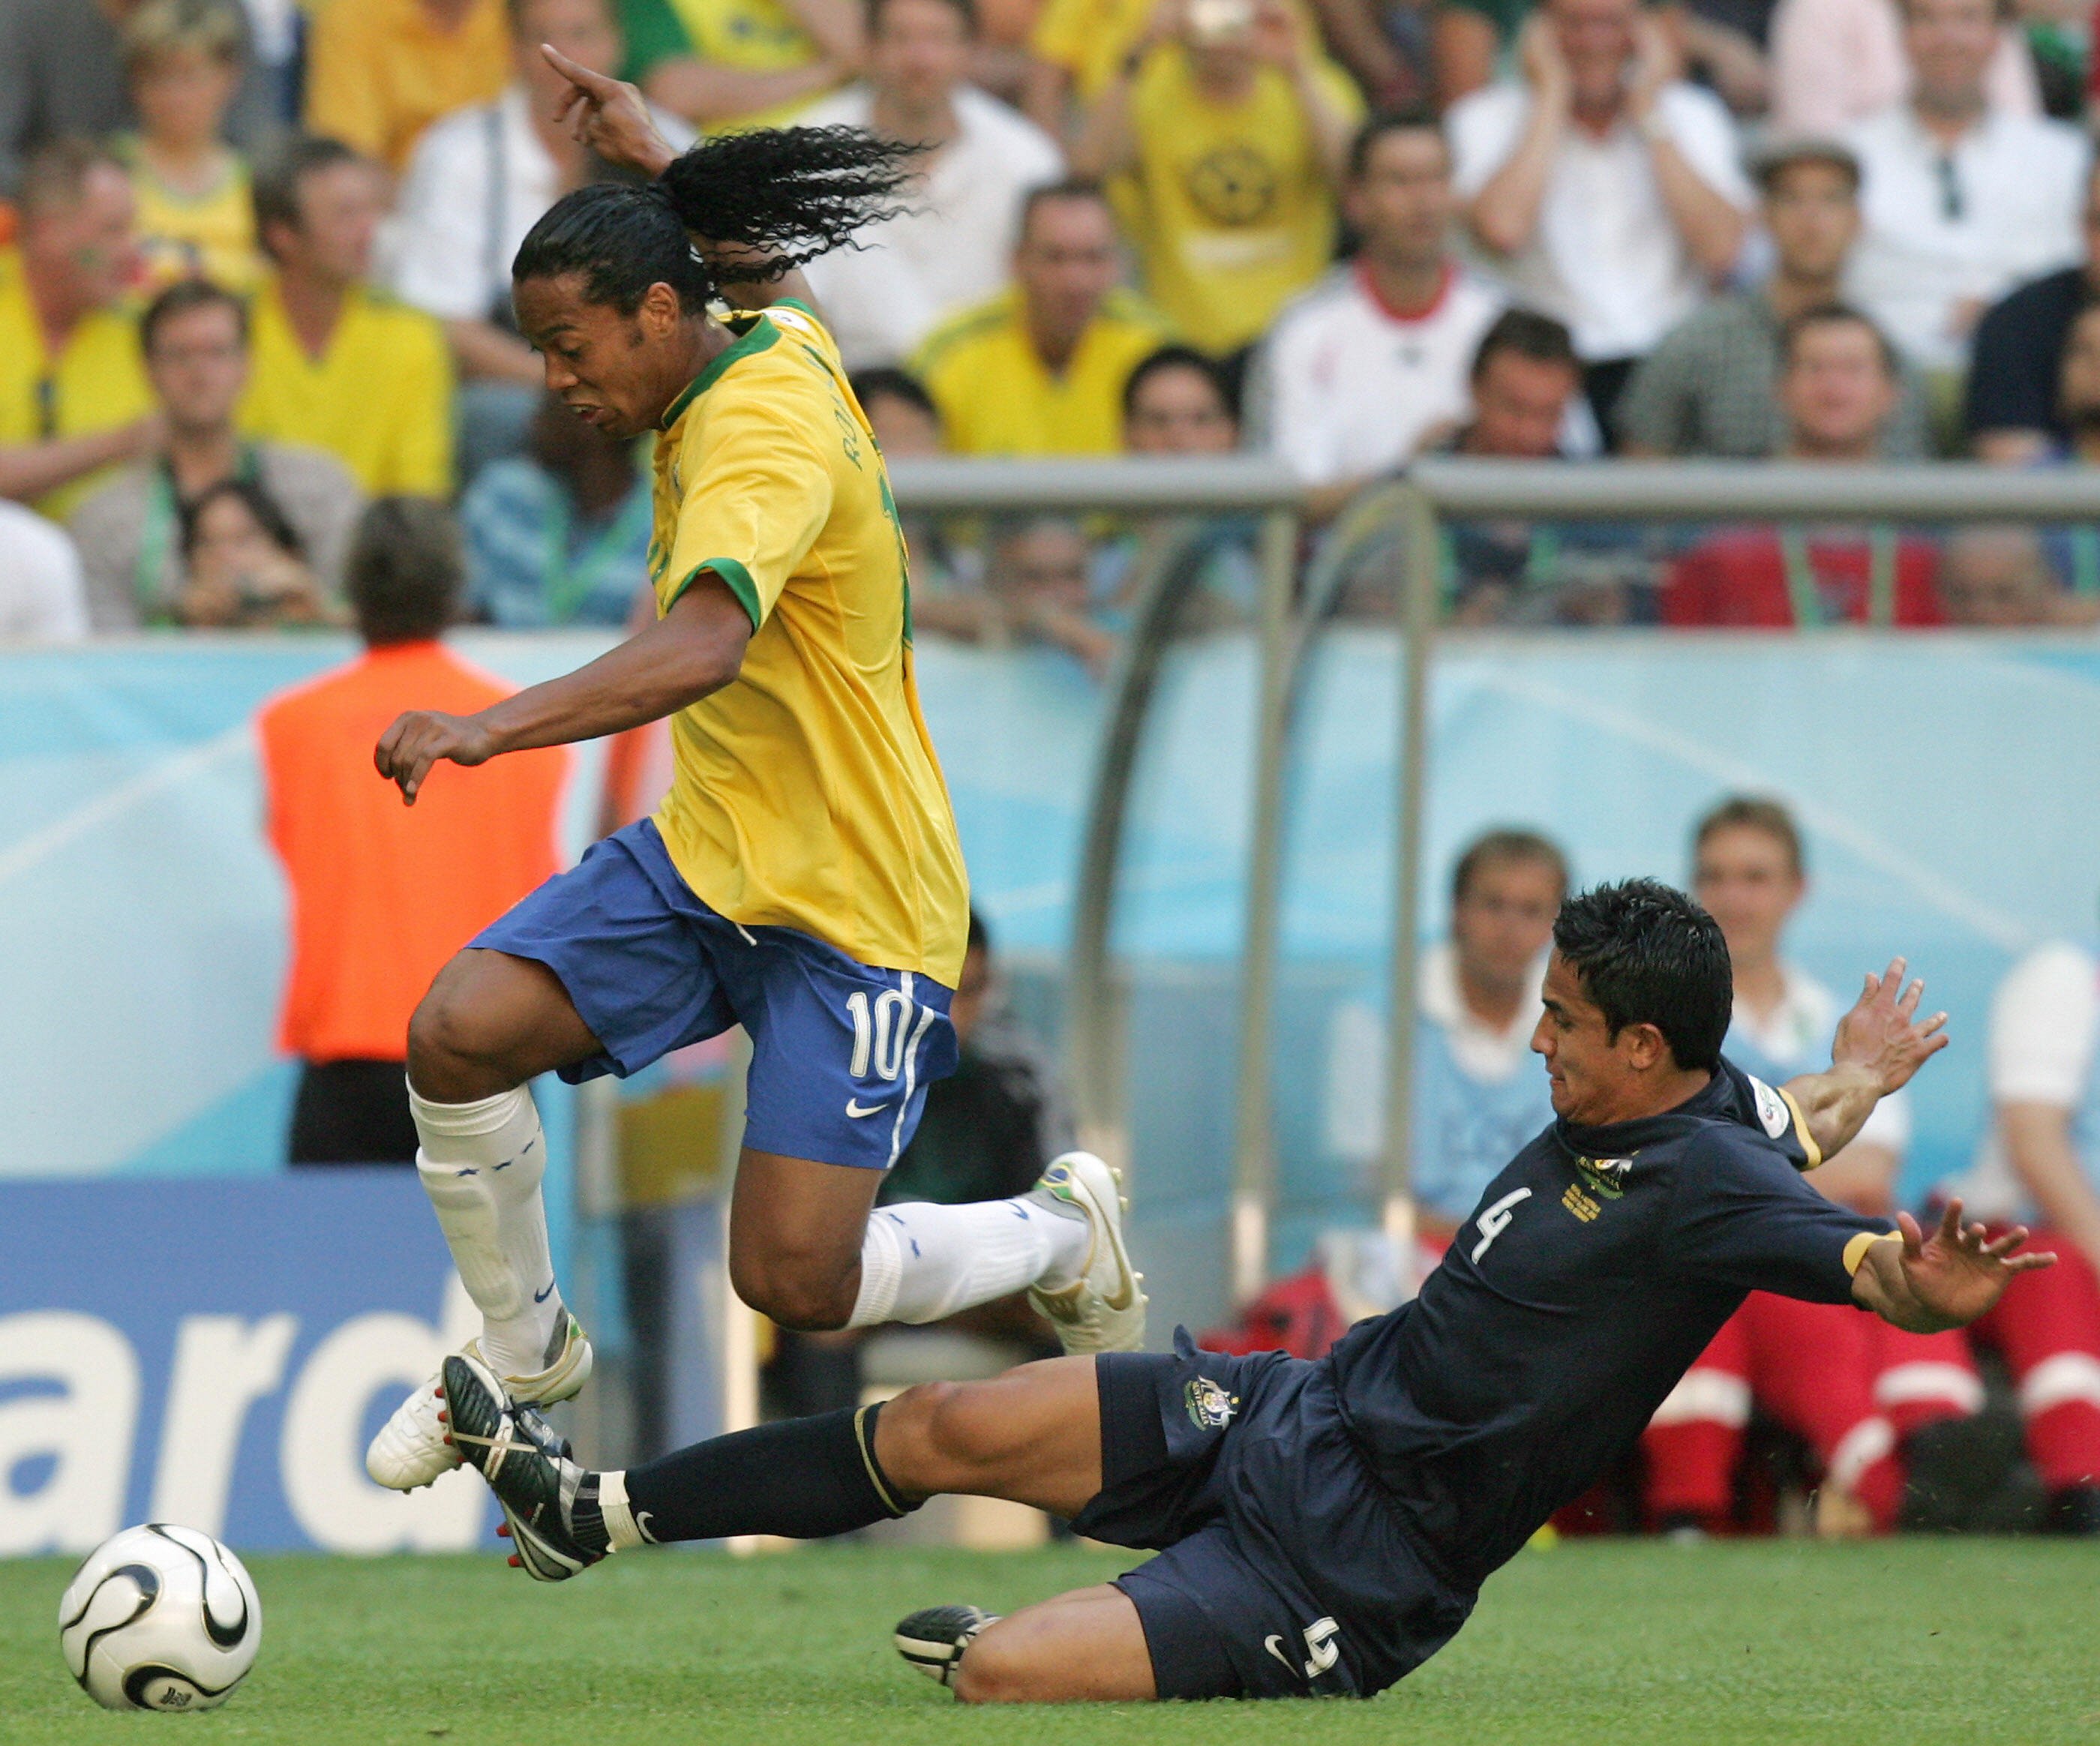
[19,858]
[1932,888]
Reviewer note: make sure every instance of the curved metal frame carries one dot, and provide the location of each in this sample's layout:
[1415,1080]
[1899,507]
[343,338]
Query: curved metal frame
[1240,485]
[1661,490]
[1094,1006]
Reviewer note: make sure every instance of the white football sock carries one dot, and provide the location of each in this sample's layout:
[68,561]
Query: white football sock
[919,1262]
[481,1164]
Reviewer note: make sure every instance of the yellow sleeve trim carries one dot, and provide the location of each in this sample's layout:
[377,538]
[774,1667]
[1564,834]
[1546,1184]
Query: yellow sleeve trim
[1801,1127]
[1856,1250]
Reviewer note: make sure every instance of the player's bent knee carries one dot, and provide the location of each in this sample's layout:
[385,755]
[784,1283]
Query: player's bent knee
[946,1435]
[460,1038]
[1017,1661]
[807,1298]
[997,1669]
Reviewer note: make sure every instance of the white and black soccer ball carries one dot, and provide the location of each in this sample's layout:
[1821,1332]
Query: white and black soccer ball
[160,1617]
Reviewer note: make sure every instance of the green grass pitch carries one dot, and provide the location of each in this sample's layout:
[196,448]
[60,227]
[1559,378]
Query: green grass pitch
[1912,1641]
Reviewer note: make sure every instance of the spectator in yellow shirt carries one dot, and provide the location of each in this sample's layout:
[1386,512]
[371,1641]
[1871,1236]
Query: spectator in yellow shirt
[1233,129]
[728,63]
[1040,369]
[184,61]
[73,398]
[338,365]
[1074,50]
[379,71]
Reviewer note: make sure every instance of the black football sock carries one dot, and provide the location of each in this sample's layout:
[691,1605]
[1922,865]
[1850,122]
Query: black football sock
[802,1478]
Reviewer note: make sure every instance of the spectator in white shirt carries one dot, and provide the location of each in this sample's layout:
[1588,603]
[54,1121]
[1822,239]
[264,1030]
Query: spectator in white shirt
[42,596]
[1961,198]
[477,182]
[1859,1392]
[1836,62]
[1375,358]
[1603,189]
[955,246]
[2041,1165]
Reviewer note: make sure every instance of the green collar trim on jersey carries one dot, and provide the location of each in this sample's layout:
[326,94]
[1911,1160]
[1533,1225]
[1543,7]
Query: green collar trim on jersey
[761,334]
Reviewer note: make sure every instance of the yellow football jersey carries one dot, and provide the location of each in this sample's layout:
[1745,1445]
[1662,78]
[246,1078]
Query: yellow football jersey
[1088,39]
[996,397]
[379,398]
[195,236]
[752,36]
[805,793]
[96,382]
[1231,213]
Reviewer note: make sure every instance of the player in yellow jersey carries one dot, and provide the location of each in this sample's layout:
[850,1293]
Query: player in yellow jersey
[803,878]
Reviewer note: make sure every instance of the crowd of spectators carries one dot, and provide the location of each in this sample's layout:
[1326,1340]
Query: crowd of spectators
[256,271]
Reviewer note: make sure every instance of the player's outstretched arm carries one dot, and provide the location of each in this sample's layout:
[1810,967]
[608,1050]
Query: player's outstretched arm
[695,649]
[1926,1284]
[1881,1044]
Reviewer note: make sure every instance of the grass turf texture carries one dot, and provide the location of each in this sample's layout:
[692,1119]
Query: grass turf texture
[1917,1640]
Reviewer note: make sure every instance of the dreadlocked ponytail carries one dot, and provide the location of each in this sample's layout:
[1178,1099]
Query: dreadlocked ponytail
[769,200]
[785,195]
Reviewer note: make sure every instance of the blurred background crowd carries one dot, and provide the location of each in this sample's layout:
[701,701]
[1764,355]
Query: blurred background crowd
[256,273]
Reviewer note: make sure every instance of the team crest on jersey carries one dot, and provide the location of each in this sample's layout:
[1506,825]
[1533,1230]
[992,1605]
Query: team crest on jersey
[1605,1176]
[1210,1407]
[1771,1107]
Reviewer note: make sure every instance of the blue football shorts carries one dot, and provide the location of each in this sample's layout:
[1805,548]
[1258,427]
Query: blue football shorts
[841,1052]
[1284,1570]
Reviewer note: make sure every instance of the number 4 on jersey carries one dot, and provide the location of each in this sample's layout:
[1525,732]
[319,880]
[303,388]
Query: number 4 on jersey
[1495,1220]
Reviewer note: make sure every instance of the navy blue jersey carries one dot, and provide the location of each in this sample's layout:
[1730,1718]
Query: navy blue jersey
[1594,1270]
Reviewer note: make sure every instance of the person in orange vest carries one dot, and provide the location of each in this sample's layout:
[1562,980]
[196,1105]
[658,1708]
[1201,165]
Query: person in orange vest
[382,896]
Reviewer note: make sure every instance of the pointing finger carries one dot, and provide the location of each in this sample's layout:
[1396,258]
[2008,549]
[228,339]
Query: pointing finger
[575,72]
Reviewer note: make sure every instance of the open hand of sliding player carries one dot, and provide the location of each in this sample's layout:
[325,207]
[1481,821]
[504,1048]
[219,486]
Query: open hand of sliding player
[1883,1034]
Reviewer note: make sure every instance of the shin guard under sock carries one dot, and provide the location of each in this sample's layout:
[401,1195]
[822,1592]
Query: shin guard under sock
[802,1478]
[481,1163]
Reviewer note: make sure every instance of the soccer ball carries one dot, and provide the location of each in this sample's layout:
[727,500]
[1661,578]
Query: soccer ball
[160,1617]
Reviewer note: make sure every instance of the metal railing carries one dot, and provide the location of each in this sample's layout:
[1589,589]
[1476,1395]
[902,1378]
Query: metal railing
[1434,490]
[1238,485]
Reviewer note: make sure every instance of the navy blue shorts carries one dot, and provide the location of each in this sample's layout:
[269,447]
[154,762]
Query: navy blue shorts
[841,1053]
[1285,1572]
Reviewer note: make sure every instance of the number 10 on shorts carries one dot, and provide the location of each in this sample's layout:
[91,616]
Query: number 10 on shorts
[884,1033]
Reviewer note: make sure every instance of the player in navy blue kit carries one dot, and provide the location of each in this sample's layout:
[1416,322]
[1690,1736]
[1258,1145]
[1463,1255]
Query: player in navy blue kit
[1327,1525]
